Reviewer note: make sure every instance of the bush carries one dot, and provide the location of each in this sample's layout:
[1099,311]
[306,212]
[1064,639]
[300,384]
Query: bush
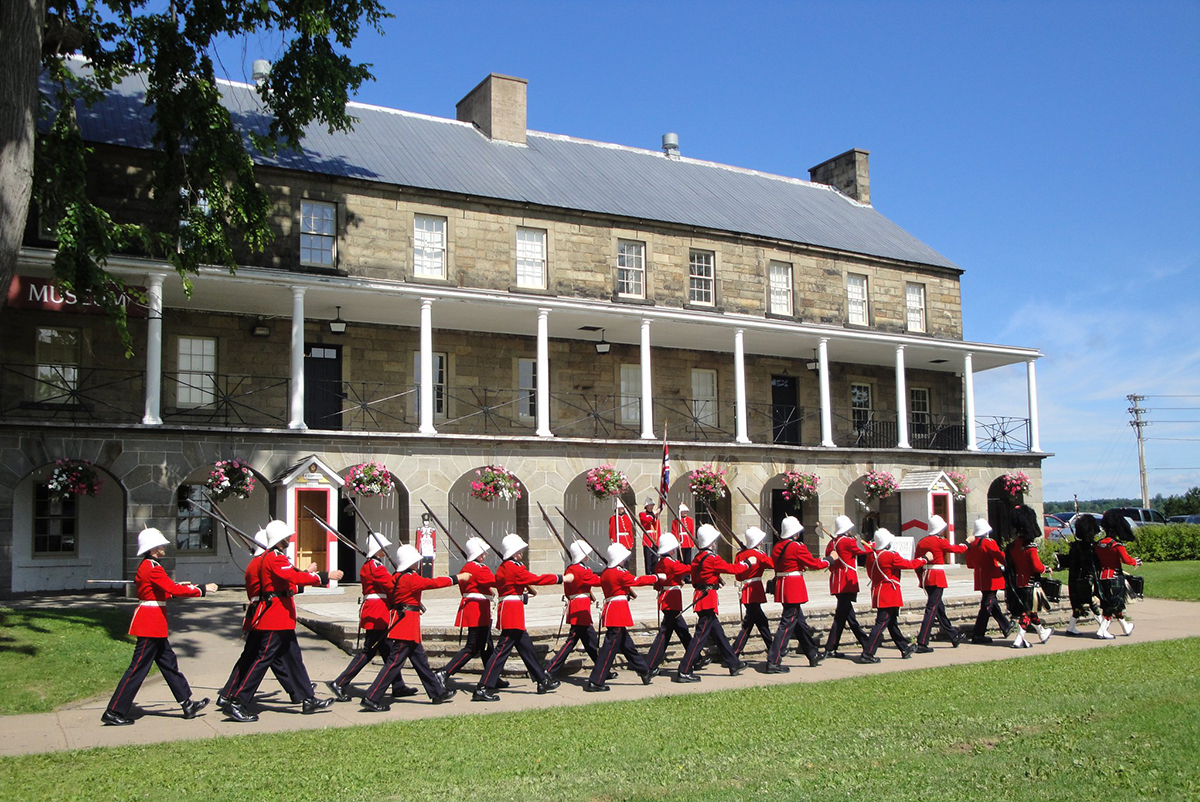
[1047,549]
[1165,542]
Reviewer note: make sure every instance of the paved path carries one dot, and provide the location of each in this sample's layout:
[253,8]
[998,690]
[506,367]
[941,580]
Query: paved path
[205,637]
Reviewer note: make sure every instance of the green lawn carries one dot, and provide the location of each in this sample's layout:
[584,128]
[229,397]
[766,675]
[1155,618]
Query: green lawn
[51,657]
[1172,580]
[1113,723]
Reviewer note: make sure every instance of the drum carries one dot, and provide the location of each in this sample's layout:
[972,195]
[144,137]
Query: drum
[1136,586]
[1052,588]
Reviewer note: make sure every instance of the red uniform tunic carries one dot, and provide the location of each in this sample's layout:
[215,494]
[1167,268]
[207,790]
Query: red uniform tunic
[706,575]
[1110,554]
[579,596]
[615,584]
[753,589]
[985,557]
[405,601]
[670,597]
[620,530]
[791,558]
[1025,562]
[512,580]
[253,582]
[883,567]
[649,522]
[939,547]
[475,606]
[376,582]
[154,587]
[279,579]
[843,572]
[684,530]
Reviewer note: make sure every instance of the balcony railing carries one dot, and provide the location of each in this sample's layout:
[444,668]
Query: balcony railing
[217,399]
[1002,434]
[71,393]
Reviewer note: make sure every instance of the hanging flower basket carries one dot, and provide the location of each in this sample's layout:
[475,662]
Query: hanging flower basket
[708,484]
[369,479]
[880,485]
[230,478]
[799,486]
[959,481]
[606,481]
[1016,484]
[73,477]
[495,482]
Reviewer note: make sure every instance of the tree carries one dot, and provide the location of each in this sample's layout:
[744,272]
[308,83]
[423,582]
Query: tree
[203,171]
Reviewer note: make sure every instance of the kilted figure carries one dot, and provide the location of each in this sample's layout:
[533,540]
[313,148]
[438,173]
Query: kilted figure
[1083,575]
[1110,556]
[1024,568]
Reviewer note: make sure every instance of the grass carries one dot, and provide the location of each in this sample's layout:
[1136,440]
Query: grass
[51,657]
[1114,723]
[1172,580]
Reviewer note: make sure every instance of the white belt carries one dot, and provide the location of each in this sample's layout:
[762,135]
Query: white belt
[790,573]
[511,598]
[152,604]
[478,596]
[579,596]
[752,579]
[608,599]
[374,596]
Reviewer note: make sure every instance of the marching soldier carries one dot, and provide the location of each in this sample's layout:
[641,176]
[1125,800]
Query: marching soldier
[753,593]
[791,558]
[578,593]
[616,620]
[427,544]
[513,581]
[670,601]
[1110,555]
[1026,565]
[149,626]
[933,580]
[684,530]
[842,554]
[651,533]
[405,632]
[373,618]
[474,611]
[1082,575]
[620,526]
[706,578]
[987,560]
[883,567]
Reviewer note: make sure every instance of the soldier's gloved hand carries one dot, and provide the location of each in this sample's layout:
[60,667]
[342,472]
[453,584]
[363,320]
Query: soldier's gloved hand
[312,568]
[338,574]
[568,577]
[211,587]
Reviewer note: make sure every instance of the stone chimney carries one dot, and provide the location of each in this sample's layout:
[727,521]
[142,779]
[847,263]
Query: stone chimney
[496,107]
[847,173]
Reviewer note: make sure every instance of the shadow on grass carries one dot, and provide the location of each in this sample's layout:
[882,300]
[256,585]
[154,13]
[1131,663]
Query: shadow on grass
[35,624]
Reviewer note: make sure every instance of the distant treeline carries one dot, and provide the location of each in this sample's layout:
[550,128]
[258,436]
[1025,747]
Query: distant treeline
[1186,504]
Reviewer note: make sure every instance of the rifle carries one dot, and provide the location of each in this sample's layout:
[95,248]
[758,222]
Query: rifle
[553,531]
[214,512]
[724,525]
[445,529]
[763,518]
[342,538]
[578,533]
[474,528]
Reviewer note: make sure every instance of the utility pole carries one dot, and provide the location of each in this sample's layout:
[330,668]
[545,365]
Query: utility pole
[1138,424]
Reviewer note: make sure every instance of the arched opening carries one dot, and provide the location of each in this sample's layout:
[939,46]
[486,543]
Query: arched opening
[204,552]
[386,515]
[492,519]
[60,544]
[1000,506]
[719,514]
[776,508]
[588,517]
[871,514]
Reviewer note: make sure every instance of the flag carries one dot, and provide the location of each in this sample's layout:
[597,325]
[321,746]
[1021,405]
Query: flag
[664,482]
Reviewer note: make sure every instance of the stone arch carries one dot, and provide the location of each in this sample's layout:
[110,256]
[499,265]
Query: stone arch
[591,515]
[776,508]
[387,515]
[224,560]
[869,515]
[681,492]
[494,519]
[1000,506]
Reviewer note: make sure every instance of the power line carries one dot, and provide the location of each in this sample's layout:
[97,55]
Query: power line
[1170,395]
[1177,439]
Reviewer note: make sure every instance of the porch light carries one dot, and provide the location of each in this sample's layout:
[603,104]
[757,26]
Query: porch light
[603,347]
[337,325]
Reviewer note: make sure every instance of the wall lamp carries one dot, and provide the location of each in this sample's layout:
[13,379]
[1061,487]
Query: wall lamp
[603,347]
[337,325]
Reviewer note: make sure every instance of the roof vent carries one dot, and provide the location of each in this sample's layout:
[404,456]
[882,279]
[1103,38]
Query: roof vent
[260,71]
[670,145]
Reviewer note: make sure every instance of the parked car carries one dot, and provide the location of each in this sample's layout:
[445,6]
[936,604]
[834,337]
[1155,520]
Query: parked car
[1140,516]
[1184,519]
[1055,526]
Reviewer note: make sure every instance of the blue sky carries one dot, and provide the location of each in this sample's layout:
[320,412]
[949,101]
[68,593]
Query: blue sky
[1049,149]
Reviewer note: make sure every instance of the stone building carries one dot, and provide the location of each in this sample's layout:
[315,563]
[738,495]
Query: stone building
[442,295]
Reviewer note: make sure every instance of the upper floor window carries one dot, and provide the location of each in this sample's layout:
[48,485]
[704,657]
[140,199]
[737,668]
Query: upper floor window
[631,394]
[918,411]
[318,240]
[860,405]
[57,356]
[701,277]
[914,306]
[531,258]
[704,396]
[55,523]
[527,388]
[780,280]
[193,529]
[439,383]
[197,376]
[429,246]
[856,299]
[631,269]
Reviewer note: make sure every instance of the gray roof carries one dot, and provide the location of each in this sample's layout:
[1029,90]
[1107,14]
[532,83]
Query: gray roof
[418,151]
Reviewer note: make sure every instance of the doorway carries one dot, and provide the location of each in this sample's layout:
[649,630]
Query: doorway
[323,394]
[310,537]
[785,413]
[782,508]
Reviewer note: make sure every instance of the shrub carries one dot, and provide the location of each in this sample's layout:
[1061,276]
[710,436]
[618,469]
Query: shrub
[1166,542]
[1049,549]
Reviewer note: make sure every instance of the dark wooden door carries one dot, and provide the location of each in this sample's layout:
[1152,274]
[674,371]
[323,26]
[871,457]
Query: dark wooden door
[323,386]
[785,413]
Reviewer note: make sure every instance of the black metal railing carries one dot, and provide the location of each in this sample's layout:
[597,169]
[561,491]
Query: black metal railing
[940,432]
[1002,434]
[220,399]
[596,415]
[870,429]
[71,393]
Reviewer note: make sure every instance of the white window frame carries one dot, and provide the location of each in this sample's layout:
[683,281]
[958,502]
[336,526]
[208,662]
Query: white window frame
[196,372]
[527,388]
[704,396]
[702,278]
[531,258]
[429,246]
[318,233]
[191,524]
[440,367]
[858,307]
[57,368]
[860,416]
[631,269]
[631,394]
[920,412]
[914,306]
[55,515]
[779,292]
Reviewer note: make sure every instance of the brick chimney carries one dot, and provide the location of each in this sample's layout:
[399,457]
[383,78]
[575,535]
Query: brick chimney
[496,107]
[847,173]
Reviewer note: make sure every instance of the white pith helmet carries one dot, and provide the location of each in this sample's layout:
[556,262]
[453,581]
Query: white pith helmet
[842,524]
[150,538]
[706,535]
[277,532]
[754,536]
[579,550]
[512,544]
[937,524]
[667,544]
[406,557]
[260,538]
[683,508]
[883,539]
[476,546]
[617,554]
[620,504]
[789,527]
[981,528]
[376,543]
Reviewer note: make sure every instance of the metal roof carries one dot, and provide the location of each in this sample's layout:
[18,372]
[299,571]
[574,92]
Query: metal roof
[413,150]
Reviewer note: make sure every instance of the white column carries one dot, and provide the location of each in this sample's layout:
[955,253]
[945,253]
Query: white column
[297,421]
[543,374]
[901,401]
[739,384]
[647,391]
[154,335]
[969,391]
[1035,439]
[826,413]
[426,391]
